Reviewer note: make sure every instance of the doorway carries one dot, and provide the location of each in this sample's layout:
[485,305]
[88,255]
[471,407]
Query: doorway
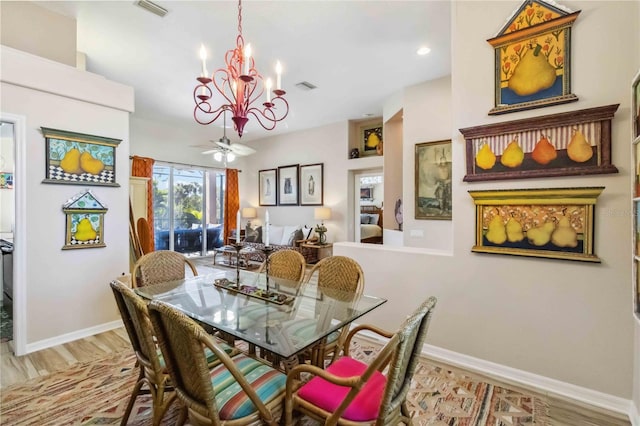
[370,201]
[7,221]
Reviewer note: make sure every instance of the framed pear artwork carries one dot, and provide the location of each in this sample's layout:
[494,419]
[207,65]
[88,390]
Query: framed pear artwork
[553,223]
[85,221]
[532,58]
[565,144]
[80,159]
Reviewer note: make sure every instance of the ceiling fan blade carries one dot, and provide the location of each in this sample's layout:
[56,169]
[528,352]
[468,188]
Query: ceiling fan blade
[240,149]
[210,151]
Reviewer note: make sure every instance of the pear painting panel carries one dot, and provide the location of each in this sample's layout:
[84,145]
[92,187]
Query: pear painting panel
[85,221]
[532,58]
[572,143]
[80,159]
[550,223]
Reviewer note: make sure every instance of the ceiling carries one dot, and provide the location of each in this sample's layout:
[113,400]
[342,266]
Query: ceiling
[357,53]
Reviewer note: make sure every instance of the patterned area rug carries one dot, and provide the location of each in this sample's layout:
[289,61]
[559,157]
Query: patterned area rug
[97,393]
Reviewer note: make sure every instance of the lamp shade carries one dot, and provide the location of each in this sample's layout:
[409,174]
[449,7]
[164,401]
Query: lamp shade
[322,213]
[249,213]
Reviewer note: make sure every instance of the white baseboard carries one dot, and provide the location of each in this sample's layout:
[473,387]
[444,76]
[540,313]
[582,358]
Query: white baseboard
[70,337]
[541,383]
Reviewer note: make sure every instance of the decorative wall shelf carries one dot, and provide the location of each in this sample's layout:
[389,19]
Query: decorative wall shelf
[593,123]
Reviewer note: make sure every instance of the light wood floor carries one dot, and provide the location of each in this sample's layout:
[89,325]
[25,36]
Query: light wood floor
[20,369]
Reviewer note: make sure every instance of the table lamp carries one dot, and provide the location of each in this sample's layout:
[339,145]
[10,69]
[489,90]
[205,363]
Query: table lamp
[249,213]
[322,214]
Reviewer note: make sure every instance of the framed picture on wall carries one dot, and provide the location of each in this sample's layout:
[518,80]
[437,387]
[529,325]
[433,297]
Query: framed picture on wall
[371,140]
[80,159]
[267,187]
[433,180]
[312,184]
[532,55]
[288,189]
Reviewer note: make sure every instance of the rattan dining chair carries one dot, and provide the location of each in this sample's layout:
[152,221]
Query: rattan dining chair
[152,372]
[350,392]
[340,277]
[160,266]
[286,264]
[240,391]
[135,316]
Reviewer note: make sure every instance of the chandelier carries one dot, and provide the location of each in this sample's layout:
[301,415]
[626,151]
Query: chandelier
[241,86]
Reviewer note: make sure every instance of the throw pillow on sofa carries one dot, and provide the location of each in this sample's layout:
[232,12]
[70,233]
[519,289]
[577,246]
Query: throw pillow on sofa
[295,236]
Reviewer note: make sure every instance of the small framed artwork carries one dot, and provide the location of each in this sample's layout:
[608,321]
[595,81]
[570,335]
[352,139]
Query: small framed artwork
[366,193]
[371,140]
[312,184]
[268,187]
[564,144]
[288,189]
[533,58]
[6,180]
[80,159]
[551,223]
[85,222]
[433,180]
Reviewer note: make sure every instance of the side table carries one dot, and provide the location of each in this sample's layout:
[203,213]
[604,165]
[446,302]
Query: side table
[322,250]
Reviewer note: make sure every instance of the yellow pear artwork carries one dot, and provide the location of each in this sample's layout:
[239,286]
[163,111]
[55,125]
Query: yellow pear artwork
[89,164]
[533,73]
[70,163]
[514,231]
[579,149]
[85,231]
[541,235]
[513,155]
[485,158]
[564,235]
[373,140]
[496,231]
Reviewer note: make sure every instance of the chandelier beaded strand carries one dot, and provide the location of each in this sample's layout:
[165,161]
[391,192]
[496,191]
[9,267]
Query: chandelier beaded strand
[241,86]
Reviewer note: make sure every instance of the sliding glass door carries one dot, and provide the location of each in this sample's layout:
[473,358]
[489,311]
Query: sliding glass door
[188,208]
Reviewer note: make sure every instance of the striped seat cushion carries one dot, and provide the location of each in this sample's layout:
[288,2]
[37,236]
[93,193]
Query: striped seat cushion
[328,396]
[231,400]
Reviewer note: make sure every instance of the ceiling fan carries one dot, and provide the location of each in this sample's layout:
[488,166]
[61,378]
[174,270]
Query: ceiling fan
[223,150]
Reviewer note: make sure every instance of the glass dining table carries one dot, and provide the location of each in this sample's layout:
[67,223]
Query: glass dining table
[285,321]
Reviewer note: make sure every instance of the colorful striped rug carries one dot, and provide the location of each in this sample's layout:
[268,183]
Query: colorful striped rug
[96,393]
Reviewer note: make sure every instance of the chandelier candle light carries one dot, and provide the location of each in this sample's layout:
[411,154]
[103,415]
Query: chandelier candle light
[241,86]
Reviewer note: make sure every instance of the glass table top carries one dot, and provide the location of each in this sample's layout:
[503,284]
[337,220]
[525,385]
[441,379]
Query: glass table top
[309,313]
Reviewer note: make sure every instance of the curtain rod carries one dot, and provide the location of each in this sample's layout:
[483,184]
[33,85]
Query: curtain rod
[182,164]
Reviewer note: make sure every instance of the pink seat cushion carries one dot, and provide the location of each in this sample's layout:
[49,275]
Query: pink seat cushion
[328,396]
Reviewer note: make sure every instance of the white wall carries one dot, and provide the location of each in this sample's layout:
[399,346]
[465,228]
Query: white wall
[67,291]
[31,28]
[563,320]
[427,118]
[328,145]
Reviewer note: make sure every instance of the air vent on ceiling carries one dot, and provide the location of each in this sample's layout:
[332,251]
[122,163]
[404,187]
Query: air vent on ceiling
[152,7]
[305,85]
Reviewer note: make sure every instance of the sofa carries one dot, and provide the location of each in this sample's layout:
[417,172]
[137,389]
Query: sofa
[281,237]
[190,240]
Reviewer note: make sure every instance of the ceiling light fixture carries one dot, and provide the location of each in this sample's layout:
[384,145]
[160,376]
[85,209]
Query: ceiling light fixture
[423,51]
[241,86]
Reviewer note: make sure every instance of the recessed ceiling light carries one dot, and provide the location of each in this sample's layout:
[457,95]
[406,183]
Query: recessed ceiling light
[423,50]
